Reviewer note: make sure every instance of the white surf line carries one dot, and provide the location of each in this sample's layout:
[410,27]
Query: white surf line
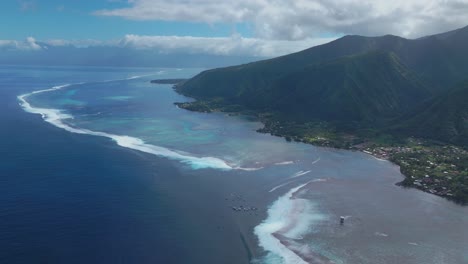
[125,79]
[248,169]
[381,234]
[137,77]
[281,185]
[315,161]
[142,76]
[372,155]
[266,230]
[289,217]
[288,182]
[319,180]
[284,163]
[300,173]
[56,117]
[378,158]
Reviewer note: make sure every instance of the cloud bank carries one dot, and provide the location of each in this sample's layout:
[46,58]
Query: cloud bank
[226,46]
[280,26]
[28,44]
[235,45]
[303,19]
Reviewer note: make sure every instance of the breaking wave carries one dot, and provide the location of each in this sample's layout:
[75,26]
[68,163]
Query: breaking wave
[300,173]
[285,163]
[57,118]
[281,233]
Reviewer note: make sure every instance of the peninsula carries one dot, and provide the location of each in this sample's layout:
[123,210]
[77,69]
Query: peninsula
[397,99]
[168,81]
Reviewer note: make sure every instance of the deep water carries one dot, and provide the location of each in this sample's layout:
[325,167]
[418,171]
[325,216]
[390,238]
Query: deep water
[75,199]
[113,172]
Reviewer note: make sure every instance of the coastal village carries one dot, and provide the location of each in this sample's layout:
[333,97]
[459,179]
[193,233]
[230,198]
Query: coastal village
[432,167]
[436,168]
[440,170]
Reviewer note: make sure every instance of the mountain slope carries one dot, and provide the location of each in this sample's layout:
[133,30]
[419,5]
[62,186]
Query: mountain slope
[364,88]
[378,83]
[444,117]
[441,60]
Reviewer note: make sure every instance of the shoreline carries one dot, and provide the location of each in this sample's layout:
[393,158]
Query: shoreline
[243,223]
[441,178]
[56,117]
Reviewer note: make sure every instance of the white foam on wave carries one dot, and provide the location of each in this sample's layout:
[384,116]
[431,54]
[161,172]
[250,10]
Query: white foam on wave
[289,217]
[141,76]
[319,180]
[380,234]
[379,159]
[285,163]
[300,173]
[288,182]
[294,180]
[56,117]
[279,186]
[248,169]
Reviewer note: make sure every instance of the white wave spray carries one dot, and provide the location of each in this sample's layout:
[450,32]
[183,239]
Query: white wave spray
[289,162]
[279,186]
[56,117]
[289,218]
[300,173]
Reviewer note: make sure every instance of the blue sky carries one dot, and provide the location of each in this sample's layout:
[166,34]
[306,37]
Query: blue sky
[74,19]
[227,27]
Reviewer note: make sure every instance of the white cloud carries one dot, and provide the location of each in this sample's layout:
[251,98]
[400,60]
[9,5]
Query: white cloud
[31,44]
[28,44]
[82,43]
[210,11]
[234,45]
[224,46]
[303,19]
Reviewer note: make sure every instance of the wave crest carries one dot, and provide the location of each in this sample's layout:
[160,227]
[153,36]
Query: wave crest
[56,117]
[289,219]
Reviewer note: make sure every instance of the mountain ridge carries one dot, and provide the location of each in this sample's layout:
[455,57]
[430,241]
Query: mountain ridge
[394,98]
[427,56]
[443,118]
[365,82]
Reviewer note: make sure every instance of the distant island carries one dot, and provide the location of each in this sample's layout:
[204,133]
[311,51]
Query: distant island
[397,99]
[168,81]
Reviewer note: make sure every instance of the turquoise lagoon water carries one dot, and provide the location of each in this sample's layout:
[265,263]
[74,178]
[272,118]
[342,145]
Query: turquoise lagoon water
[291,194]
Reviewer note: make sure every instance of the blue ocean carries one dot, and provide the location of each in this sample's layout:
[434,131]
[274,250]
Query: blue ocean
[99,166]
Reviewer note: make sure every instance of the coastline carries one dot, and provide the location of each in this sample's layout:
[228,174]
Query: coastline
[441,177]
[243,223]
[202,200]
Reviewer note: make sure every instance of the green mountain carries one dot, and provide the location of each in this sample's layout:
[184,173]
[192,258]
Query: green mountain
[443,118]
[364,88]
[387,83]
[441,60]
[384,95]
